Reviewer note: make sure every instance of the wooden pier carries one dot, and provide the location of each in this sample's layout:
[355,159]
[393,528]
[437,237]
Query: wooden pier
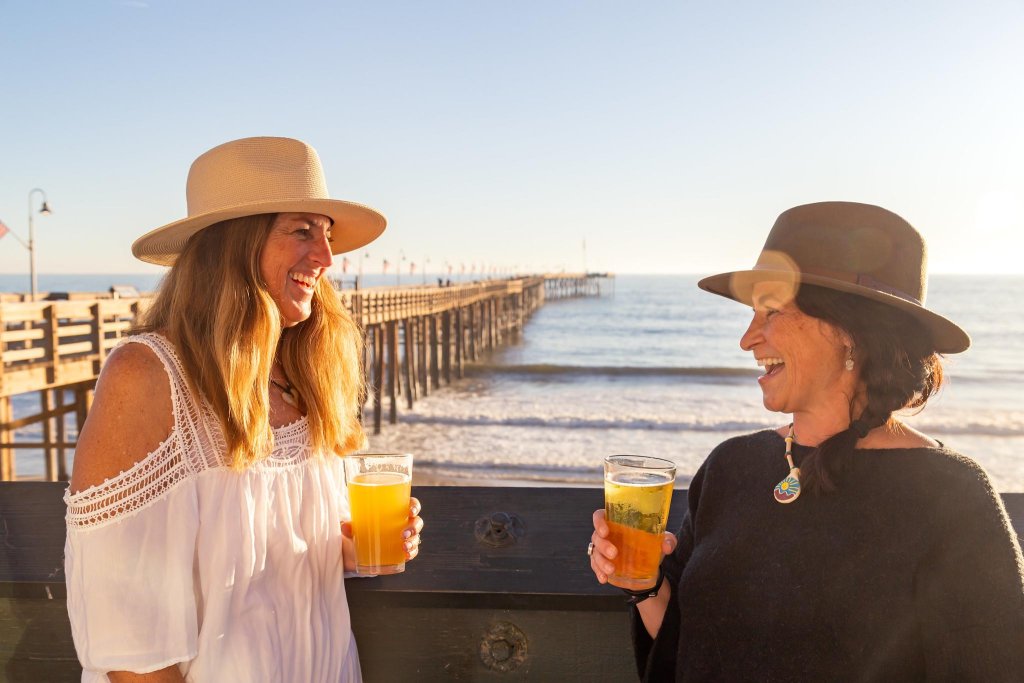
[417,339]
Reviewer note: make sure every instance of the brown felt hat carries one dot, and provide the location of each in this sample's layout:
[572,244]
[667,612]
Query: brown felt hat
[856,248]
[254,176]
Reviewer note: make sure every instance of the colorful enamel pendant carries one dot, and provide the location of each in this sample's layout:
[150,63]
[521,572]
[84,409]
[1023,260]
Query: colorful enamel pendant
[788,490]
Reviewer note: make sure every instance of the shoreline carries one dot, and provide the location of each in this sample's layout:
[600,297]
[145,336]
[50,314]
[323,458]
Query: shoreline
[432,475]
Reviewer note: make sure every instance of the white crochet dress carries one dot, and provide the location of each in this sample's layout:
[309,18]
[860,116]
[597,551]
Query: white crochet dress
[234,576]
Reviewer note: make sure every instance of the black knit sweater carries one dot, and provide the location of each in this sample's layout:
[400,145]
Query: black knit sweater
[910,571]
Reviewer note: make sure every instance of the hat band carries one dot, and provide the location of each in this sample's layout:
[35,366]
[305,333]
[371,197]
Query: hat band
[860,279]
[863,280]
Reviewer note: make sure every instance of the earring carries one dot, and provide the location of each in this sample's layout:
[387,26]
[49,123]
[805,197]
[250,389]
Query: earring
[849,359]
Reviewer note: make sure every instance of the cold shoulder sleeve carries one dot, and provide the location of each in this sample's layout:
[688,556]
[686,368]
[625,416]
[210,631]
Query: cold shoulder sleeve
[131,599]
[129,560]
[970,587]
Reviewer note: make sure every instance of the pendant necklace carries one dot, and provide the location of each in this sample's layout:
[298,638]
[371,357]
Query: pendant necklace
[288,392]
[788,490]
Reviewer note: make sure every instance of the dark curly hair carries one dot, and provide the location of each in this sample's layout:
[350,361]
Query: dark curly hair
[896,358]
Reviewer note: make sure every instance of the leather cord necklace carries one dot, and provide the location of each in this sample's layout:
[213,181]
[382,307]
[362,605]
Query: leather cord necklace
[788,490]
[288,392]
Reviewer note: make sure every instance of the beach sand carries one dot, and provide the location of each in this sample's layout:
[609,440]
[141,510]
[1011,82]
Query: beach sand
[429,475]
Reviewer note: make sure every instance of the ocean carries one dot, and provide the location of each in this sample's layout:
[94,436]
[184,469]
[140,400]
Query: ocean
[653,366]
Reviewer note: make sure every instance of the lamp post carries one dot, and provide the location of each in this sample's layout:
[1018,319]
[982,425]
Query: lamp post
[45,211]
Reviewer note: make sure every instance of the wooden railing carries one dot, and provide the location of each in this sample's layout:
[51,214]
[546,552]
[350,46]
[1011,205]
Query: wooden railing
[56,343]
[502,591]
[50,347]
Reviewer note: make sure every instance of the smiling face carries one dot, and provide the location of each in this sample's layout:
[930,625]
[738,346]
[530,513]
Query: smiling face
[295,256]
[803,356]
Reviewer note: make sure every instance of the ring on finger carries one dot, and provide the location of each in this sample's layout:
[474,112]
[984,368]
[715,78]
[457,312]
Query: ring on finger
[590,549]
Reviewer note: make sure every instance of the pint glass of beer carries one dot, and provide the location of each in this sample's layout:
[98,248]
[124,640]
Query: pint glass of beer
[378,490]
[637,495]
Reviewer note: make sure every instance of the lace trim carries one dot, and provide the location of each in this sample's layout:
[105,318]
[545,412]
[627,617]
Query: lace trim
[195,444]
[291,445]
[130,491]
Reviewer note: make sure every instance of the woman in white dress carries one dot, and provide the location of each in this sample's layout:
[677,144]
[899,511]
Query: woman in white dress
[207,505]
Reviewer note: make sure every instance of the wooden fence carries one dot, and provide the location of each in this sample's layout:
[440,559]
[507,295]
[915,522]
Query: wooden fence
[502,591]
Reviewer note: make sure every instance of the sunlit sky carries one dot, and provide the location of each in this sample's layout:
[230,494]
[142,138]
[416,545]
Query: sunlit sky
[666,135]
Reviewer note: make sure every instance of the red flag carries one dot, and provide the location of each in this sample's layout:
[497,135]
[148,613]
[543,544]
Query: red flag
[3,229]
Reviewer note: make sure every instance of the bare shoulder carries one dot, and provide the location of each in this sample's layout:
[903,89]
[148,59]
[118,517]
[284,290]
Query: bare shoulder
[130,416]
[897,435]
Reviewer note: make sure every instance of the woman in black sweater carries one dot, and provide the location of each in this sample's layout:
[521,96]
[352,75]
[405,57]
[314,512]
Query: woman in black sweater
[866,550]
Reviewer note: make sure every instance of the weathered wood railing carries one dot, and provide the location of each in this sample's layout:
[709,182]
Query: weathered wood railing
[416,339]
[51,347]
[476,605]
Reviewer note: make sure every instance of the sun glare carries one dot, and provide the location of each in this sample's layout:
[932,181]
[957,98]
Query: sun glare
[998,212]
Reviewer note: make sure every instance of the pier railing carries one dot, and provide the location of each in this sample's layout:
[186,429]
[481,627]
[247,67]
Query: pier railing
[416,339]
[501,591]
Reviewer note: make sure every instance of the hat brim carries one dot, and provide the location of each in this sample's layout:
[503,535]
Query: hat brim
[738,285]
[354,226]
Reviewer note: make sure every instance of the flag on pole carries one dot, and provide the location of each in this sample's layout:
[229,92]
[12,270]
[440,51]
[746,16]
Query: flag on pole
[345,263]
[3,229]
[412,267]
[386,264]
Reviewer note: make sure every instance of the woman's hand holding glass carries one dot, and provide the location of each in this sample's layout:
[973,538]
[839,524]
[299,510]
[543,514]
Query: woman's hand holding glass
[411,533]
[410,537]
[603,556]
[602,559]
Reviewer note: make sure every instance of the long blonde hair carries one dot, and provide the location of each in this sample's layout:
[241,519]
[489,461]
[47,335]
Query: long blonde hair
[216,310]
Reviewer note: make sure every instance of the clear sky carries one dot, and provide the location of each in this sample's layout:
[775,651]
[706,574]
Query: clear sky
[667,135]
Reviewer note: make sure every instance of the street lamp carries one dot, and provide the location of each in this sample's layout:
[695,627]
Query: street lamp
[45,211]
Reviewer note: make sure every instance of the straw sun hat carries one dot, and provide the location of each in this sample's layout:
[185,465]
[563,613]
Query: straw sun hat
[856,248]
[253,176]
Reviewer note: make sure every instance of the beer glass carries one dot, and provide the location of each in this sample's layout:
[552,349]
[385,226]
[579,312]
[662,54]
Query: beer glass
[637,495]
[378,491]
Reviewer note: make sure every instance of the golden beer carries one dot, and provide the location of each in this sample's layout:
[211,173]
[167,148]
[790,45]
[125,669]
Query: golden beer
[637,495]
[378,492]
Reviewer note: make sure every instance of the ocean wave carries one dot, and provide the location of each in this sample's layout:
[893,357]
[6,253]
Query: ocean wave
[534,473]
[1011,428]
[589,423]
[554,370]
[968,428]
[546,369]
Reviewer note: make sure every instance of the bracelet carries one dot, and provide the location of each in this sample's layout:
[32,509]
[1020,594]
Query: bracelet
[636,597]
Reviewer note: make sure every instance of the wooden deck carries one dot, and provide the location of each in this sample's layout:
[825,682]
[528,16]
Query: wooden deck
[475,606]
[417,339]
